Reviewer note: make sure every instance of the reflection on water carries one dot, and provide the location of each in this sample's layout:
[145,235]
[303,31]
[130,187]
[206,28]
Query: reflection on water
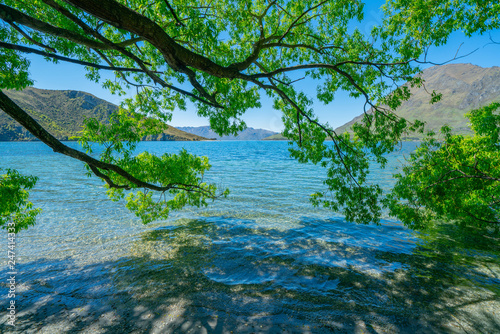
[262,261]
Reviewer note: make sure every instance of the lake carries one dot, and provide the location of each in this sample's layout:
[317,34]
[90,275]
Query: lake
[261,261]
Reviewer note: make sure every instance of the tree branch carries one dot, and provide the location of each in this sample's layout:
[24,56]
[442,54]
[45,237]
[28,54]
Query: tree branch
[175,55]
[298,18]
[257,45]
[28,37]
[10,14]
[333,136]
[323,65]
[179,23]
[483,220]
[30,124]
[26,49]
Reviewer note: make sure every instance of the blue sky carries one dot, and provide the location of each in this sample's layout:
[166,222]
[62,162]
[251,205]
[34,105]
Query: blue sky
[70,76]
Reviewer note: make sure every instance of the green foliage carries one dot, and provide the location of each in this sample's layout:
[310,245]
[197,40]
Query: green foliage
[428,22]
[13,68]
[178,177]
[183,171]
[457,178]
[13,71]
[122,133]
[16,212]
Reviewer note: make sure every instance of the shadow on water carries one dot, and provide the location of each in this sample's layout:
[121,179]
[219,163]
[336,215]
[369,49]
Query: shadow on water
[202,276]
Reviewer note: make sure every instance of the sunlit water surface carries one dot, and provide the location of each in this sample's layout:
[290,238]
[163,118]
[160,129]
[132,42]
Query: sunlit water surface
[261,261]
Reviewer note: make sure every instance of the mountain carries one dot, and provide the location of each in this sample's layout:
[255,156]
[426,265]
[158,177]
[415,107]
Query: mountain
[62,112]
[463,86]
[247,134]
[277,136]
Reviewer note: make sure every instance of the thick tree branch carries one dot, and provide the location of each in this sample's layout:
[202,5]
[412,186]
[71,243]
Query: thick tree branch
[179,65]
[140,62]
[176,56]
[10,14]
[88,29]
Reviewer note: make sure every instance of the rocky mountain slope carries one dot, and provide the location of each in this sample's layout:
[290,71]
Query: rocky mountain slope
[62,112]
[463,87]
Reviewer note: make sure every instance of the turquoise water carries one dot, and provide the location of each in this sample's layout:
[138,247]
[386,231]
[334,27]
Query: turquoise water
[262,260]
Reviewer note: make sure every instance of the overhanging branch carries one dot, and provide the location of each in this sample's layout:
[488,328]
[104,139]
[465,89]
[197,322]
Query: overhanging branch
[30,124]
[9,14]
[26,49]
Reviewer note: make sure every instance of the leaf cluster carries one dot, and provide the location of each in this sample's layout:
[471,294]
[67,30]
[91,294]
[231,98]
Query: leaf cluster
[16,212]
[177,178]
[456,179]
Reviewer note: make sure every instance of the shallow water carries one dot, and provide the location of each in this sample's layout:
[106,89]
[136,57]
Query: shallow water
[261,261]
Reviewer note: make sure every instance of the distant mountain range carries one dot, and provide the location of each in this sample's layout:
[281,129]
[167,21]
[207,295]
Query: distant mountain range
[463,86]
[247,134]
[62,112]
